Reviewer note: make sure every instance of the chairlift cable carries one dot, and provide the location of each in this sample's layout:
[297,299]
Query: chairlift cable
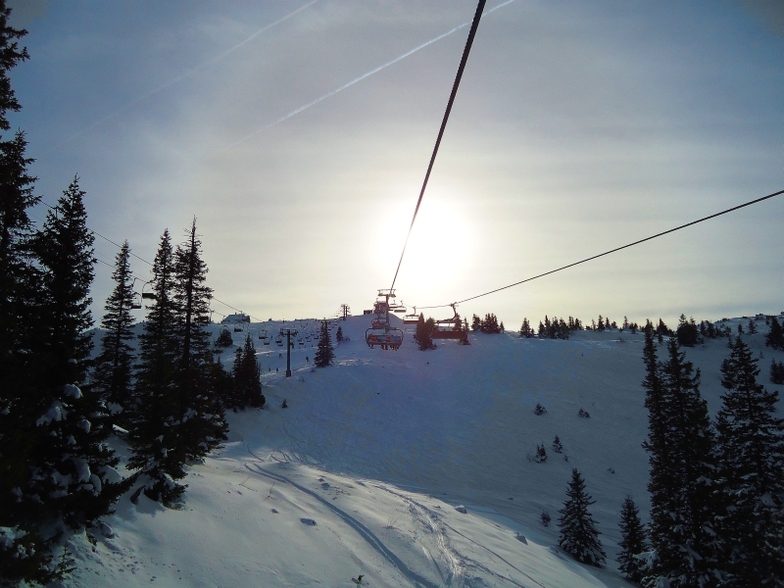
[463,61]
[597,256]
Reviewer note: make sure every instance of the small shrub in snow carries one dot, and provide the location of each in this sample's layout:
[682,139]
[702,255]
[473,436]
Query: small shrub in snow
[583,414]
[557,445]
[541,454]
[539,410]
[224,339]
[777,372]
[545,518]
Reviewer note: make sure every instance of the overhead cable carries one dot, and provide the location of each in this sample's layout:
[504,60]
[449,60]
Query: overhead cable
[93,231]
[463,61]
[591,258]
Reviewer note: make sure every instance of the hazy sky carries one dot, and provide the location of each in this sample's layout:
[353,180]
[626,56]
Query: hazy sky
[298,133]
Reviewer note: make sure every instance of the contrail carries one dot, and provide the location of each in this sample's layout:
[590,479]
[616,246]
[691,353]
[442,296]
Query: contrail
[357,80]
[179,78]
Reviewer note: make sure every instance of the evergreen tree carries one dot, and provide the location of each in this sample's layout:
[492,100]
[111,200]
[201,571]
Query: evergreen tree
[70,478]
[776,372]
[224,339]
[681,452]
[751,454]
[687,332]
[64,247]
[10,56]
[526,330]
[578,535]
[25,554]
[775,337]
[154,435]
[201,417]
[339,335]
[222,384]
[247,377]
[490,324]
[633,542]
[178,414]
[113,369]
[423,334]
[325,353]
[74,449]
[476,323]
[663,329]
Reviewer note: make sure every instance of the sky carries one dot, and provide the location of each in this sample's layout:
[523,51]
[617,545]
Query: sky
[298,134]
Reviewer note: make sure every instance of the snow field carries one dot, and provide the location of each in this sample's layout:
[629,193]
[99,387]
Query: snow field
[362,473]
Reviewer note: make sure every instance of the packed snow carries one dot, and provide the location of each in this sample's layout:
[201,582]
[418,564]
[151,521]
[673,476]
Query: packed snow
[404,468]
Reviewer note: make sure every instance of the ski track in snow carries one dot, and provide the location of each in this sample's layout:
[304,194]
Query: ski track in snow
[438,525]
[359,527]
[406,437]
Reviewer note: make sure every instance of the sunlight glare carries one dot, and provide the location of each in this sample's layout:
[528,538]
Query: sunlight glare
[440,249]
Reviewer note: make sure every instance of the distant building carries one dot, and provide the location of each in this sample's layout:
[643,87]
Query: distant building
[238,317]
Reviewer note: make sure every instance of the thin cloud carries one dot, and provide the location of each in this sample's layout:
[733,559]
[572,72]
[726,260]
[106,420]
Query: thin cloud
[373,71]
[186,75]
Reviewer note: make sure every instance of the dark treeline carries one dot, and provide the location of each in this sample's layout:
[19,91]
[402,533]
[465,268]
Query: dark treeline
[716,486]
[58,407]
[489,324]
[688,332]
[717,493]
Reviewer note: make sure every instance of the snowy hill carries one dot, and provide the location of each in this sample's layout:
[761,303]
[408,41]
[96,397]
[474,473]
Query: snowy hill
[410,468]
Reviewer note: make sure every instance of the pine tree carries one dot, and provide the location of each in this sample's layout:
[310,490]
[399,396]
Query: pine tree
[578,535]
[775,337]
[75,444]
[687,332]
[25,555]
[682,458]
[776,372]
[71,481]
[23,552]
[224,339]
[476,322]
[247,377]
[154,435]
[633,542]
[113,369]
[423,334]
[339,335]
[64,247]
[201,417]
[751,454]
[526,330]
[325,353]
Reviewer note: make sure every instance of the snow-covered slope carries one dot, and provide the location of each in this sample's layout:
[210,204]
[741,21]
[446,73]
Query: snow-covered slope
[364,472]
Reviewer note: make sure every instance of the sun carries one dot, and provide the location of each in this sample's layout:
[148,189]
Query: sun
[439,248]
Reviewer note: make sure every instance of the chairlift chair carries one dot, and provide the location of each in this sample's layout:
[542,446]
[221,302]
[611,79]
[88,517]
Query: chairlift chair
[380,332]
[136,304]
[450,328]
[411,319]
